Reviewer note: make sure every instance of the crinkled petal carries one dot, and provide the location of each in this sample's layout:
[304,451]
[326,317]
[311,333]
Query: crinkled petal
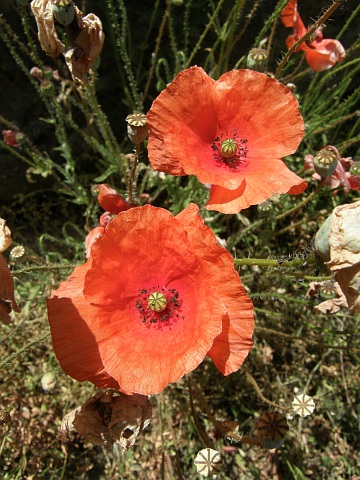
[274,177]
[186,101]
[71,320]
[324,54]
[144,358]
[246,100]
[233,344]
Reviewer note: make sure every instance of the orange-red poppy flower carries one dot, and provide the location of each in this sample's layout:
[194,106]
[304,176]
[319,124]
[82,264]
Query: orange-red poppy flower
[230,133]
[320,53]
[156,296]
[110,200]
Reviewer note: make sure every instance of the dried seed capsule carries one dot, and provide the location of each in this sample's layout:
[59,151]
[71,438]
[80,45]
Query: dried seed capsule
[208,462]
[325,162]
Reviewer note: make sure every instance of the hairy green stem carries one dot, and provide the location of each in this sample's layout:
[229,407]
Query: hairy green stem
[307,35]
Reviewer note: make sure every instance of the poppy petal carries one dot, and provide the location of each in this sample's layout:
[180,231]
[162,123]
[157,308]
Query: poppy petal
[233,344]
[257,188]
[170,108]
[74,343]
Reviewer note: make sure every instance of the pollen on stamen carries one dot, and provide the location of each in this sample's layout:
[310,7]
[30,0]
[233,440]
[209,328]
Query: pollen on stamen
[159,305]
[230,150]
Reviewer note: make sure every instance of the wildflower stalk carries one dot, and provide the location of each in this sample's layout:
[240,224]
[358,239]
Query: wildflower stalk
[205,32]
[23,349]
[101,120]
[280,6]
[252,380]
[202,435]
[42,268]
[269,262]
[133,173]
[157,47]
[307,35]
[301,204]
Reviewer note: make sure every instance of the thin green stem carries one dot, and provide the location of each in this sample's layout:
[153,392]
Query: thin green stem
[301,204]
[133,173]
[11,357]
[200,431]
[156,52]
[205,32]
[307,35]
[41,268]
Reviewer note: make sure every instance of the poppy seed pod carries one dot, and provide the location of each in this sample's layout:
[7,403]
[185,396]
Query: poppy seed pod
[137,128]
[256,59]
[355,168]
[63,11]
[271,429]
[325,162]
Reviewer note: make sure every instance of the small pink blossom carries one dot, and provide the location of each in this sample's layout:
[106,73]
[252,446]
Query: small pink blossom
[342,177]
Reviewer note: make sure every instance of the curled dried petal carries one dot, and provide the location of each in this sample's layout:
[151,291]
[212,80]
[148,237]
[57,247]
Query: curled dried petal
[108,417]
[7,299]
[48,37]
[5,236]
[87,46]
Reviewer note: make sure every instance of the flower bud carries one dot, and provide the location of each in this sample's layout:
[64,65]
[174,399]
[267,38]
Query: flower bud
[256,59]
[63,11]
[322,247]
[355,168]
[325,162]
[47,88]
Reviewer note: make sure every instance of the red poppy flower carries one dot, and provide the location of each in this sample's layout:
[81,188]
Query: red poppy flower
[320,53]
[110,200]
[156,296]
[230,133]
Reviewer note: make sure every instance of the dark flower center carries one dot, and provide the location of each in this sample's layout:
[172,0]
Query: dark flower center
[230,150]
[159,305]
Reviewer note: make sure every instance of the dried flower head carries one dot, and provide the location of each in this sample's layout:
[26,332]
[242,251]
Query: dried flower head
[332,294]
[4,417]
[303,405]
[208,462]
[137,128]
[271,429]
[86,47]
[344,241]
[17,252]
[48,37]
[110,417]
[5,235]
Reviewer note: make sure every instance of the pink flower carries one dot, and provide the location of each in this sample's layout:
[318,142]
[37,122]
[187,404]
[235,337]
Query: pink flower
[342,175]
[320,53]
